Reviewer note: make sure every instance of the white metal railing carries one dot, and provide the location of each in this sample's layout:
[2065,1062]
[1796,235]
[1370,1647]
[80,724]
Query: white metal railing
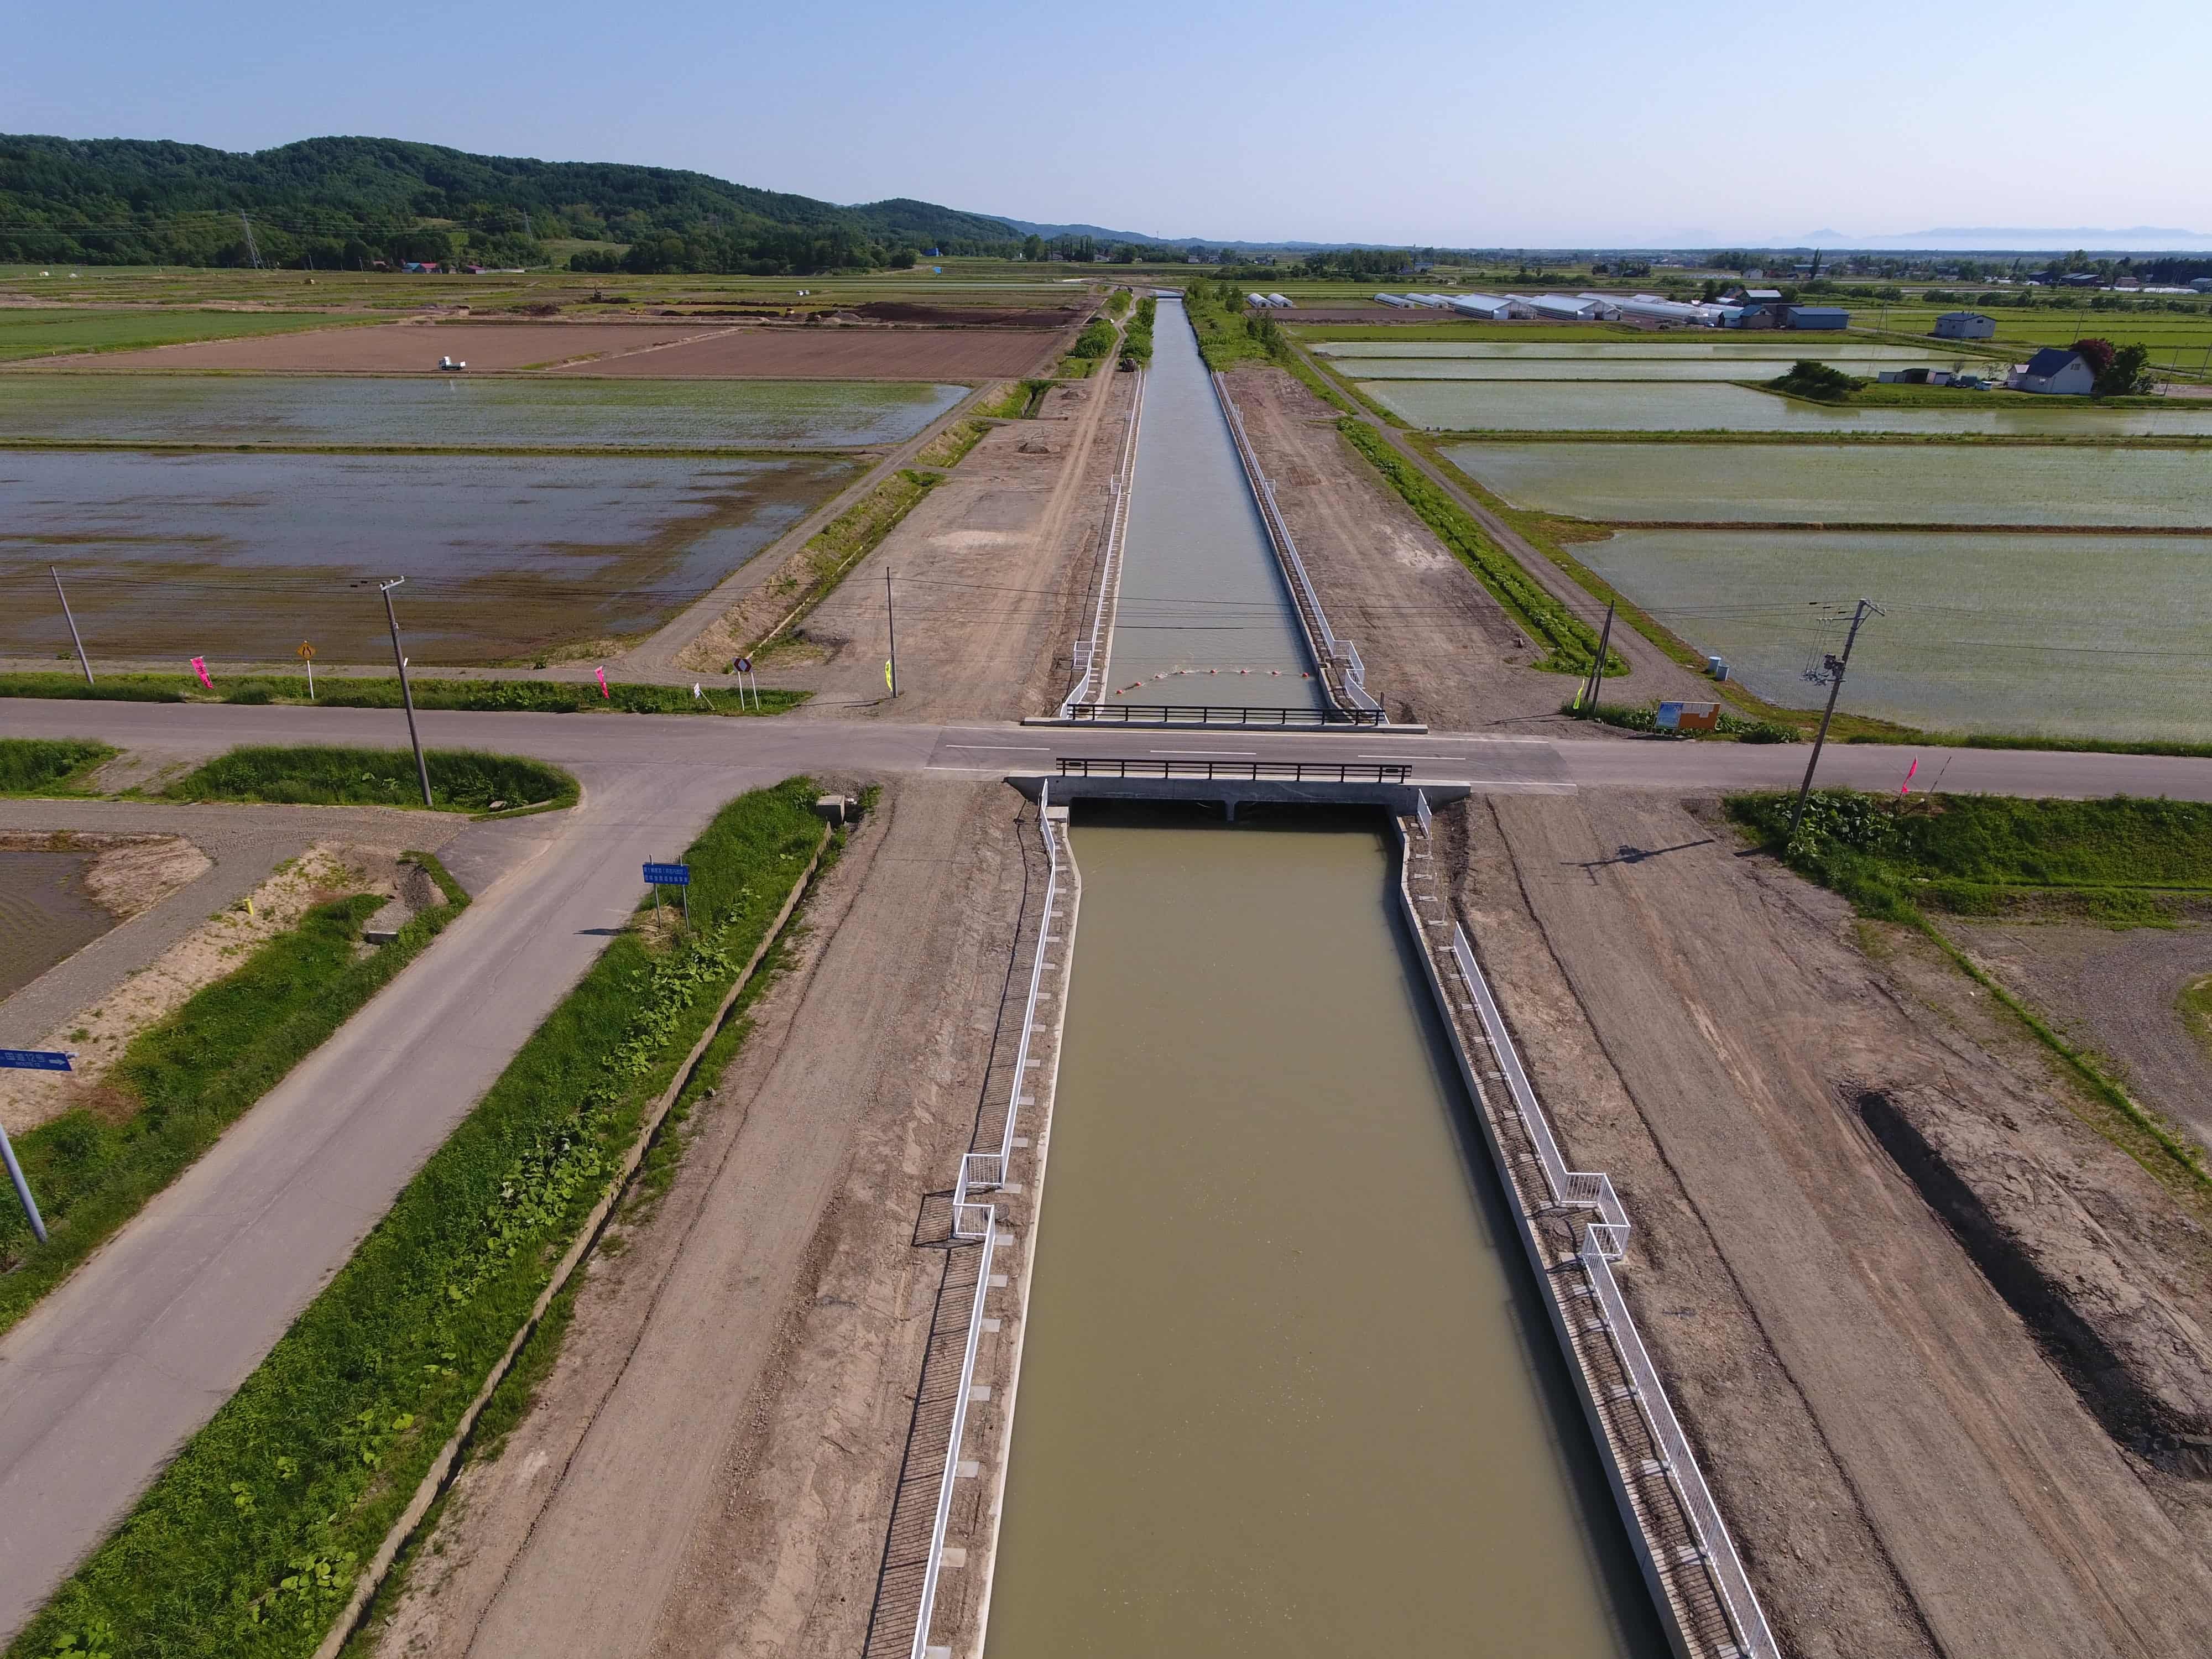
[1421,811]
[1351,672]
[1090,656]
[1570,1188]
[973,1221]
[1603,1242]
[1739,1601]
[935,1564]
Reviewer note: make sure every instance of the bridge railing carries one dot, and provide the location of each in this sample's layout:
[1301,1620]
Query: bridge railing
[1093,766]
[1089,655]
[983,1221]
[1213,714]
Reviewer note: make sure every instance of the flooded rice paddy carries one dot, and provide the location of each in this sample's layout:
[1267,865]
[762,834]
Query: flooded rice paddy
[1779,349]
[246,556]
[1203,615]
[46,913]
[461,413]
[1680,405]
[1286,1388]
[2092,637]
[1640,370]
[1818,483]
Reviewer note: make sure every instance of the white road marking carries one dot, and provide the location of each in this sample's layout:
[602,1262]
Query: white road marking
[1008,748]
[1214,754]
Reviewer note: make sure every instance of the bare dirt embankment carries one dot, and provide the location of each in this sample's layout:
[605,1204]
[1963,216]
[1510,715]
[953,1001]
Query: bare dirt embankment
[1928,1440]
[709,1466]
[1458,659]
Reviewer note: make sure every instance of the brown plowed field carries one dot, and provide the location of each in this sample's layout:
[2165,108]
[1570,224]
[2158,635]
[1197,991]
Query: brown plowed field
[843,354]
[394,348]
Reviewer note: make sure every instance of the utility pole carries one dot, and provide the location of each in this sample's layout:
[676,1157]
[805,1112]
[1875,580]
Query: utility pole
[406,694]
[1596,681]
[890,618]
[1836,667]
[83,661]
[253,253]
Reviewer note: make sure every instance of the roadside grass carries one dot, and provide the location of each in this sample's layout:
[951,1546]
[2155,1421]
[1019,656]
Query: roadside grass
[48,766]
[190,1076]
[2112,861]
[250,1542]
[950,447]
[815,570]
[1572,642]
[1644,717]
[461,780]
[348,692]
[1020,402]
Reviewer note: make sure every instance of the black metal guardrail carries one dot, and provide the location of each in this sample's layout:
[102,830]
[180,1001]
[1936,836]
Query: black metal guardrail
[1188,713]
[1087,766]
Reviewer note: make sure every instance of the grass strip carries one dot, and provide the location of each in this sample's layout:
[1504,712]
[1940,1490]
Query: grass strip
[250,1542]
[346,692]
[1020,401]
[309,775]
[194,1074]
[1572,642]
[813,573]
[48,766]
[950,447]
[1892,859]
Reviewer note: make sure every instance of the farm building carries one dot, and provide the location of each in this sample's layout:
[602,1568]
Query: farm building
[1488,306]
[1965,326]
[2055,371]
[1818,317]
[1651,308]
[1566,308]
[1397,300]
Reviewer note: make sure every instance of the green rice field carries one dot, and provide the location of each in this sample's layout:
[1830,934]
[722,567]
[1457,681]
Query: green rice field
[1462,405]
[1683,350]
[43,332]
[2088,636]
[2184,341]
[488,413]
[1843,485]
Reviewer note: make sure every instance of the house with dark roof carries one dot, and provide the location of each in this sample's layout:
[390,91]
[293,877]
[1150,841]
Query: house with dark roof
[2057,371]
[1965,326]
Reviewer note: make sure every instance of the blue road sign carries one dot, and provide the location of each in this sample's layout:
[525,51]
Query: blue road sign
[34,1060]
[669,875]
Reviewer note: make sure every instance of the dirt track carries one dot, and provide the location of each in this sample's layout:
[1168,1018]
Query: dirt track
[841,353]
[393,349]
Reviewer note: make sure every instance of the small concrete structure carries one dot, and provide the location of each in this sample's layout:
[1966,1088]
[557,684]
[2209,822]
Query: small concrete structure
[1965,326]
[836,808]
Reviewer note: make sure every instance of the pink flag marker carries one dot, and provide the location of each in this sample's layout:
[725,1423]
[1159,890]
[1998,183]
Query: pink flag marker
[1905,788]
[199,667]
[603,692]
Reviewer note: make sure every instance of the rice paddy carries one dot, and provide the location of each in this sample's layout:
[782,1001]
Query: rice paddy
[1824,484]
[1458,405]
[43,331]
[243,556]
[2082,637]
[375,412]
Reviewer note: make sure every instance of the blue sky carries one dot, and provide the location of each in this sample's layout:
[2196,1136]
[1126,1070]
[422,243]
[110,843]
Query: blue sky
[1535,124]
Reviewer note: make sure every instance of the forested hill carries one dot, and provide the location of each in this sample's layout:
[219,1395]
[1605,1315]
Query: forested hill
[350,200]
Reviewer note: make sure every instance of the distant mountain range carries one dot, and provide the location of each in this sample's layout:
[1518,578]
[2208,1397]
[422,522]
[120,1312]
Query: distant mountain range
[1100,234]
[2003,238]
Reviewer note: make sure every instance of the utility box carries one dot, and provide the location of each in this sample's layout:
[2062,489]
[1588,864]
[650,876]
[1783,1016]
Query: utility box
[1717,667]
[837,808]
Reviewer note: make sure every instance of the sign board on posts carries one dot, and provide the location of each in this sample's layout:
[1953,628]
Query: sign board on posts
[34,1060]
[669,875]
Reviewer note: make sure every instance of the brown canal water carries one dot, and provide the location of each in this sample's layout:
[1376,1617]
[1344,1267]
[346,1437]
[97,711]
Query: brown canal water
[1286,1387]
[46,913]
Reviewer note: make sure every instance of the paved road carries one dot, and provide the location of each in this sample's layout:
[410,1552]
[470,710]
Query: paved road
[101,1384]
[663,750]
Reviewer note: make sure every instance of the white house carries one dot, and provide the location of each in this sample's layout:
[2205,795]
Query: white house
[2056,371]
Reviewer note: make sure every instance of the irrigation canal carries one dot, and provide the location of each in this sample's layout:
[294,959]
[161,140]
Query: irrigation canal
[1287,1386]
[1204,616]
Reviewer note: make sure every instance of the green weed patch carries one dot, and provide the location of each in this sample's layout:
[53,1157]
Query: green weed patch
[194,1074]
[250,1542]
[461,780]
[47,766]
[1572,642]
